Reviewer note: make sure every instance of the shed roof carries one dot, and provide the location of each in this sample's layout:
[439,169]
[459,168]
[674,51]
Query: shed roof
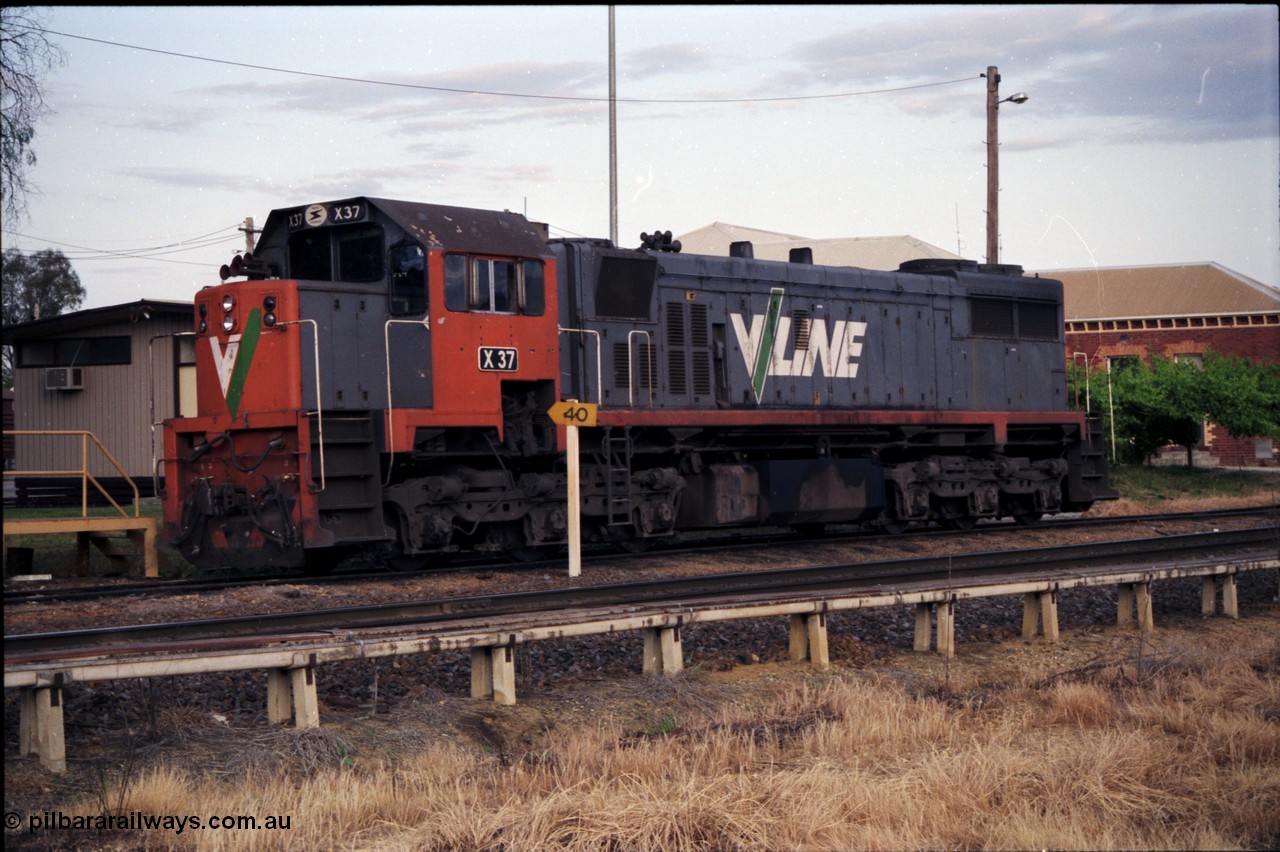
[862,252]
[91,317]
[1187,289]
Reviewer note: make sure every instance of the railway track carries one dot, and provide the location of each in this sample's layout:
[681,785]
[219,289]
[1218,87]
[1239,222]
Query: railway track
[365,572]
[971,569]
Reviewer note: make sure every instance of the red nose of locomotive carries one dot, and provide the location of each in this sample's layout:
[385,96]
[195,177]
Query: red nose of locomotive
[247,350]
[235,471]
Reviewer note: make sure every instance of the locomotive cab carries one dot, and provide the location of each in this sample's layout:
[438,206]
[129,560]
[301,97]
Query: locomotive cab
[366,335]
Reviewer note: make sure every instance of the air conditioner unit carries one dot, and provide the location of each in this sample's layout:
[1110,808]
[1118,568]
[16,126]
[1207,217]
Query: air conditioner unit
[64,378]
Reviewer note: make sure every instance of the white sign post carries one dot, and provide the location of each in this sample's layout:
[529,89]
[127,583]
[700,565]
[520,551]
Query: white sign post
[575,501]
[571,414]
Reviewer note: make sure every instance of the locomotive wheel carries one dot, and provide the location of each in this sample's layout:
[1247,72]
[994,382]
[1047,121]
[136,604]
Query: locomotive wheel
[961,523]
[531,553]
[320,563]
[634,545]
[894,526]
[1024,512]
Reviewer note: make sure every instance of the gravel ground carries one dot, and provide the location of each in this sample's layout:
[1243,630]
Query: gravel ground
[856,639]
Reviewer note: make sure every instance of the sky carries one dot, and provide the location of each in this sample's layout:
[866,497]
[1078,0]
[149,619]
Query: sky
[1151,134]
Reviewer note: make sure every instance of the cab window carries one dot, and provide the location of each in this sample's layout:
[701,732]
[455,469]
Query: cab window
[455,282]
[354,253]
[494,285]
[359,253]
[408,280]
[535,299]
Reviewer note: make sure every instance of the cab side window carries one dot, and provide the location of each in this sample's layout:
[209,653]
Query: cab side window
[408,280]
[494,285]
[455,282]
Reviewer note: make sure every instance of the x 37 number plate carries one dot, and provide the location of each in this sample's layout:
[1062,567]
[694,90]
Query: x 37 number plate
[497,359]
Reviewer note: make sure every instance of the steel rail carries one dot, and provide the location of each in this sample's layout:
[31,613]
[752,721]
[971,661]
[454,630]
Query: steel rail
[13,597]
[994,566]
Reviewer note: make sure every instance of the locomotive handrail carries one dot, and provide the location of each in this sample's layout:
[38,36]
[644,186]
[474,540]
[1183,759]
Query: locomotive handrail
[151,387]
[647,360]
[83,472]
[319,412]
[425,322]
[599,373]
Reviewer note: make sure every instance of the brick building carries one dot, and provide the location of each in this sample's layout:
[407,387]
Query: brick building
[1179,312]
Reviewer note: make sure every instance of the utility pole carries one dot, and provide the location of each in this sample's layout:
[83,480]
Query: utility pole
[993,159]
[613,135]
[249,234]
[993,166]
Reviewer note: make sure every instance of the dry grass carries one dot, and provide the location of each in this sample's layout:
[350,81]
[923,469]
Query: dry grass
[1183,753]
[1147,489]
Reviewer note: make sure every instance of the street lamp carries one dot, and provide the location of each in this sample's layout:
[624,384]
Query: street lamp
[993,160]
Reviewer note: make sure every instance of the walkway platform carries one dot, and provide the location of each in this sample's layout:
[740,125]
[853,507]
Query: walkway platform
[100,532]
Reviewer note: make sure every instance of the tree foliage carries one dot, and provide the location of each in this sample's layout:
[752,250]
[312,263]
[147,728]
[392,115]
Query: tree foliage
[26,55]
[1156,404]
[1242,398]
[1161,402]
[36,286]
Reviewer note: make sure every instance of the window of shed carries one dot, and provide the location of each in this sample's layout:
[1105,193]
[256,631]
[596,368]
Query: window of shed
[75,352]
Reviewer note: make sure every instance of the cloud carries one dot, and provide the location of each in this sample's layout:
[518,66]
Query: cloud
[1187,73]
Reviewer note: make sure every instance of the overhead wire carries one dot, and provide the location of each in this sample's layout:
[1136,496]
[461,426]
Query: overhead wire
[143,253]
[155,251]
[527,95]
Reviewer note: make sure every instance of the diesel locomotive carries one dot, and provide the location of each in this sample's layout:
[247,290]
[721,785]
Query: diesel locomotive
[378,374]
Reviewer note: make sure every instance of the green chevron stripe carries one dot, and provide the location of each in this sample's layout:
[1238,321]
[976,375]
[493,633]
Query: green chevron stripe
[765,353]
[244,357]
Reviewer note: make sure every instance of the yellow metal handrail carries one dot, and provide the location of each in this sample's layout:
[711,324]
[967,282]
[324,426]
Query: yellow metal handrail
[83,472]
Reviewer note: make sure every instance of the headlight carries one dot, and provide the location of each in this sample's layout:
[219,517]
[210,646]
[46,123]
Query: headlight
[228,324]
[228,302]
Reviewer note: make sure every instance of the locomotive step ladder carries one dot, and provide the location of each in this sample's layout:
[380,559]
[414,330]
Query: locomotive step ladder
[351,501]
[617,477]
[1093,458]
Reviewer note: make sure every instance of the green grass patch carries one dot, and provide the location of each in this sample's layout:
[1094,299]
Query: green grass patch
[55,553]
[147,509]
[1147,483]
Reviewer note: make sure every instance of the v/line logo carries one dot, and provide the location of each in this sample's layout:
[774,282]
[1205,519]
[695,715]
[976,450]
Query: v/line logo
[232,365]
[764,346]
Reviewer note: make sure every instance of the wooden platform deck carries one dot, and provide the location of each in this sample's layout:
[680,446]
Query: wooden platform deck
[102,533]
